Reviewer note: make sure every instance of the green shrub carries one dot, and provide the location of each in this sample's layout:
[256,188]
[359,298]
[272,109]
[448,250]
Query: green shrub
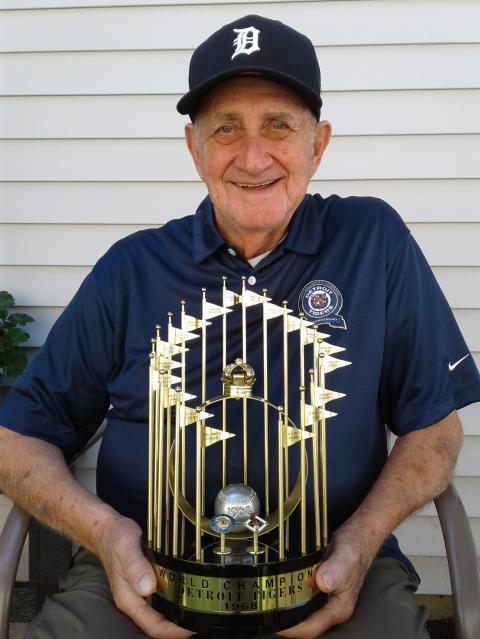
[12,360]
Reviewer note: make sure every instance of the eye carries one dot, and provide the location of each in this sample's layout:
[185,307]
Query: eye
[225,129]
[279,125]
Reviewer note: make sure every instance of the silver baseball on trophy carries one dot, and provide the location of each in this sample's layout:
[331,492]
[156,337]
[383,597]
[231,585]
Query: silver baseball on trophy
[238,501]
[237,491]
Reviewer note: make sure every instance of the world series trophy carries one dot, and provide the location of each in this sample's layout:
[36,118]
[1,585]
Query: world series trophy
[242,563]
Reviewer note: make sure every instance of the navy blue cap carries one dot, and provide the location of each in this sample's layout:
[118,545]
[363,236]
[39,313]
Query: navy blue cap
[255,45]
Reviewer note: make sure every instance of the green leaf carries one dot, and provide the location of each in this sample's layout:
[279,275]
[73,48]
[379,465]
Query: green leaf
[6,300]
[12,359]
[21,318]
[16,364]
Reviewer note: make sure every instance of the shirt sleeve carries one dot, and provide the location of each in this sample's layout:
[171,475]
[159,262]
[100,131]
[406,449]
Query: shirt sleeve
[62,397]
[428,370]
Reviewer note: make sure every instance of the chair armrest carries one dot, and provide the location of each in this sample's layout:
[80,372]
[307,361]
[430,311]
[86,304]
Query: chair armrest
[462,563]
[12,539]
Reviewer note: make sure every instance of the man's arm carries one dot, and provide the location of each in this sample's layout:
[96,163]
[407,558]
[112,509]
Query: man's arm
[418,469]
[34,474]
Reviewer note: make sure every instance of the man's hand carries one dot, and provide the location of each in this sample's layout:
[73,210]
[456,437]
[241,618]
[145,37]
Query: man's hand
[340,575]
[132,578]
[29,468]
[419,468]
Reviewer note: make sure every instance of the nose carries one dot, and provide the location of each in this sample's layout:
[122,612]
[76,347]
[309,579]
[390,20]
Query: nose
[253,157]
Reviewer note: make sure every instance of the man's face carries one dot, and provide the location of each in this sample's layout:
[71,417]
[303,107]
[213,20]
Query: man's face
[256,145]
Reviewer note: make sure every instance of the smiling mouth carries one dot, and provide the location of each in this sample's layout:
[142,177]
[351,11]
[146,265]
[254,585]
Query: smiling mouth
[256,187]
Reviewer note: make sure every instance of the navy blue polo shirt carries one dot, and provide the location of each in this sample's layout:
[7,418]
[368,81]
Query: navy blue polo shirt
[349,264]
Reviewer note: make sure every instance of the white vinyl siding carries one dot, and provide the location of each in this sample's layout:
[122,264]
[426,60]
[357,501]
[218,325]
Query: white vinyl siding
[91,149]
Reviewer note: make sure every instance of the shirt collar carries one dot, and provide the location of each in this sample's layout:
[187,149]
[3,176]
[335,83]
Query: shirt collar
[305,232]
[206,238]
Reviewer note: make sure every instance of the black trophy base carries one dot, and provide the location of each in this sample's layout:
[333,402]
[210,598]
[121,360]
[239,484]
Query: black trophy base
[238,595]
[240,626]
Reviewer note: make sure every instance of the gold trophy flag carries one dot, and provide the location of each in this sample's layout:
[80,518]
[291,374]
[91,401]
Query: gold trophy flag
[332,363]
[190,323]
[212,435]
[329,349]
[319,413]
[167,380]
[189,415]
[173,395]
[322,396]
[293,435]
[213,310]
[232,298]
[166,363]
[177,336]
[294,323]
[311,335]
[252,298]
[272,310]
[167,349]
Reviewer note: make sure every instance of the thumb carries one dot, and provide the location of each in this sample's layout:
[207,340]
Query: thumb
[325,578]
[141,576]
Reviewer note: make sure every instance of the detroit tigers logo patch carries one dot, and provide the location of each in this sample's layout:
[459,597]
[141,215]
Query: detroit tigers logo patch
[321,301]
[246,41]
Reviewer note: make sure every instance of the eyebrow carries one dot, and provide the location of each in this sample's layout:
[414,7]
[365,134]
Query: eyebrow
[223,116]
[269,115]
[279,115]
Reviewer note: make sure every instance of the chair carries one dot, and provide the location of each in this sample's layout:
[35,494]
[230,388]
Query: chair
[459,544]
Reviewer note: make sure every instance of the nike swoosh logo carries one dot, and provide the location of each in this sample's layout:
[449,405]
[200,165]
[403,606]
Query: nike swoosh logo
[451,367]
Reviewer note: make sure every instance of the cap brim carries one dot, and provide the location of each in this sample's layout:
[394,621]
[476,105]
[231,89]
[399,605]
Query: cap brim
[190,102]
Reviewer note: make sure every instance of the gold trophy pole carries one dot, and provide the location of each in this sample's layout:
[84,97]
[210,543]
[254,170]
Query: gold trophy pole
[281,538]
[316,492]
[224,363]
[151,440]
[158,427]
[178,413]
[160,448]
[204,380]
[303,504]
[244,358]
[265,405]
[166,447]
[323,454]
[199,491]
[285,403]
[183,464]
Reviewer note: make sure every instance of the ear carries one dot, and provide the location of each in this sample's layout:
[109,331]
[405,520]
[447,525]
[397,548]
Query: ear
[323,132]
[191,140]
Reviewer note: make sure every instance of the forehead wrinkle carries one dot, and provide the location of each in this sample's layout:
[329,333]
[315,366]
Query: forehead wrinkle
[268,115]
[226,115]
[279,115]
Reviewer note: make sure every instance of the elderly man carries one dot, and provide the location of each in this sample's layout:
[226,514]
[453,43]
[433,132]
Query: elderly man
[256,139]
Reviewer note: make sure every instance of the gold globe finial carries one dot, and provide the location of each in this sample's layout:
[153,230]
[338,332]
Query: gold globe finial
[238,379]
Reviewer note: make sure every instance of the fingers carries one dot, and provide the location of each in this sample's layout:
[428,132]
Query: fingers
[151,622]
[325,579]
[140,575]
[132,578]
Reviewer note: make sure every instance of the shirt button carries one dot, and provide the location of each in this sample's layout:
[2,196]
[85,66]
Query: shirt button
[231,251]
[252,280]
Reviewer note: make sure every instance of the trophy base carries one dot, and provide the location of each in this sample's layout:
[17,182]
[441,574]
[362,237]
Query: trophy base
[239,594]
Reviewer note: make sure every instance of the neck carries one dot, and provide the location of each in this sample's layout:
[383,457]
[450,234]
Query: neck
[252,243]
